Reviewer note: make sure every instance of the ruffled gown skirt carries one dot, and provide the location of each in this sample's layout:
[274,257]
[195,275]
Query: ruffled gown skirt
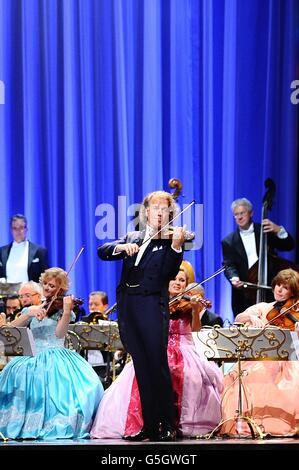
[54,394]
[197,385]
[271,400]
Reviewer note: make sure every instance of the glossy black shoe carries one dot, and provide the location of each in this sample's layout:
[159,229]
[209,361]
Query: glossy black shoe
[142,435]
[168,435]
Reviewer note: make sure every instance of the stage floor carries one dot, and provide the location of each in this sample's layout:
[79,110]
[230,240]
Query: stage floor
[116,451]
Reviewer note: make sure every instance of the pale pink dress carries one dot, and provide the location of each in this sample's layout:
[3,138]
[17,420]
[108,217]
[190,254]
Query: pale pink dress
[272,388]
[197,384]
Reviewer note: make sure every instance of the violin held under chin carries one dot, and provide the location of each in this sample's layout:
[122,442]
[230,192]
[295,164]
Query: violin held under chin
[284,314]
[169,231]
[183,302]
[52,305]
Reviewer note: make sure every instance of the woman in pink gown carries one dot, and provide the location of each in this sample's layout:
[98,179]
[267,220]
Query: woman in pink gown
[272,387]
[197,384]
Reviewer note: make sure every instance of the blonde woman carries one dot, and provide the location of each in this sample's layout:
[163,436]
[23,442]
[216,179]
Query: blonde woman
[54,394]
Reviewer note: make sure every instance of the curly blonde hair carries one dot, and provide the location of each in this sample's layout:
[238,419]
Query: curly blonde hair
[161,195]
[60,276]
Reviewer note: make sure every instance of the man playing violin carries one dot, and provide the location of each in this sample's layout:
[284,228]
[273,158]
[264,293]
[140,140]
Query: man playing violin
[272,386]
[197,383]
[150,261]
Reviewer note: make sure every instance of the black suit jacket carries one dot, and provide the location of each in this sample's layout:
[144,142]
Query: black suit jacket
[236,262]
[158,265]
[211,319]
[37,260]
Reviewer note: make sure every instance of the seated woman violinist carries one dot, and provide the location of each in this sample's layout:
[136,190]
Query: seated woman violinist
[271,386]
[284,311]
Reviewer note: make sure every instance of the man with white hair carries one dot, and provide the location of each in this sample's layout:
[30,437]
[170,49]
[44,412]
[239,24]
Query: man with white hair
[240,249]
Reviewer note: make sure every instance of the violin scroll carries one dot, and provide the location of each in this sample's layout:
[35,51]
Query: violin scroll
[175,183]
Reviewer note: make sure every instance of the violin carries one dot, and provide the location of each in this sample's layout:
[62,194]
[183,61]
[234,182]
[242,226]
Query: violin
[183,302]
[53,305]
[286,318]
[168,233]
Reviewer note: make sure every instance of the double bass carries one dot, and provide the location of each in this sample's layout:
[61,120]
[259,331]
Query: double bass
[268,264]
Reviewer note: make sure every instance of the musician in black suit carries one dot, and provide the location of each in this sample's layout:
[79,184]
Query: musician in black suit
[22,260]
[205,317]
[143,314]
[240,249]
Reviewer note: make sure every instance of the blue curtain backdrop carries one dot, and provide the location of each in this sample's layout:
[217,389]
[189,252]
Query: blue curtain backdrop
[110,98]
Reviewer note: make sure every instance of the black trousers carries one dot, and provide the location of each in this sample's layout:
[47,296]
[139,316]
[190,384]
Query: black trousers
[144,323]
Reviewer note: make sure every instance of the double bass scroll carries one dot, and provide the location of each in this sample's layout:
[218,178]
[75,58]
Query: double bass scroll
[263,251]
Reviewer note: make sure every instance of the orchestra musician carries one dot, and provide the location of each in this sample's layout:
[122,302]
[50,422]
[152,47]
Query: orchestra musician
[22,260]
[97,304]
[150,261]
[197,383]
[205,316]
[30,293]
[271,386]
[240,249]
[12,307]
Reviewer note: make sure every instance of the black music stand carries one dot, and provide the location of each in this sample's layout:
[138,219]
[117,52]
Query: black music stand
[9,288]
[16,341]
[103,337]
[238,343]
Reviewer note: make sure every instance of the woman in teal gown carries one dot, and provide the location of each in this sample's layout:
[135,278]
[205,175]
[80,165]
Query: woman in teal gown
[54,394]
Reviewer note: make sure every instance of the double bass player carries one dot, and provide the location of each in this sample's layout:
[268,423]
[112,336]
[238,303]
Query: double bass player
[240,249]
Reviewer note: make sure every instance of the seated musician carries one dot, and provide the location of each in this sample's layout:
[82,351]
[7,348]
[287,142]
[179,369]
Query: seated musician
[12,307]
[205,316]
[196,383]
[98,303]
[272,386]
[30,293]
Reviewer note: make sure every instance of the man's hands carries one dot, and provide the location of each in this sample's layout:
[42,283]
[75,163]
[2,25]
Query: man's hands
[129,248]
[178,237]
[269,226]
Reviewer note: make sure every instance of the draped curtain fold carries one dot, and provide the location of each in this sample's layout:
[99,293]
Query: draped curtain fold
[107,100]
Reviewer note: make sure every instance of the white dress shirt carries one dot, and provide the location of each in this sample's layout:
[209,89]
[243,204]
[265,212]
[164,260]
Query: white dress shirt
[248,239]
[17,263]
[148,233]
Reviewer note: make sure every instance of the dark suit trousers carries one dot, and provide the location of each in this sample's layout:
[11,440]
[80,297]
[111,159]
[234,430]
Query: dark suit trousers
[144,325]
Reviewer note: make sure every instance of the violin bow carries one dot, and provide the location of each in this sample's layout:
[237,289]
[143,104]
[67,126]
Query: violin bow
[219,271]
[68,272]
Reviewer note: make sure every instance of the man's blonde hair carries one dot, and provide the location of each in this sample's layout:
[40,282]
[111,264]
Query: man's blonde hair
[146,202]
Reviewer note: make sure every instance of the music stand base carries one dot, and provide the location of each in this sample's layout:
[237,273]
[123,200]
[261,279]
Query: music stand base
[255,430]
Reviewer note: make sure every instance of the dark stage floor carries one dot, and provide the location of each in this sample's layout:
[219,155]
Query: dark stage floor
[133,455]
